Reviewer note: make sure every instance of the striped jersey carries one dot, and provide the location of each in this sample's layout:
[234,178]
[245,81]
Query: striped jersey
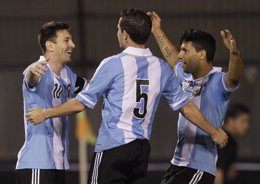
[131,84]
[195,148]
[46,145]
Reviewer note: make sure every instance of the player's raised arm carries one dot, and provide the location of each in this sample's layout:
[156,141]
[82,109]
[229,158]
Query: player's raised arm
[235,69]
[167,48]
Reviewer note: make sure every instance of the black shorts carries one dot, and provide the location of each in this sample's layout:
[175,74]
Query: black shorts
[39,176]
[121,165]
[185,175]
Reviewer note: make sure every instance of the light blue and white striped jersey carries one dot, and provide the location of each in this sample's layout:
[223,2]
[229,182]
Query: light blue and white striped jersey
[46,145]
[131,83]
[195,148]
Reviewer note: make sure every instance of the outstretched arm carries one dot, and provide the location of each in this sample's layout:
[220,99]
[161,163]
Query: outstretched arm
[235,69]
[168,50]
[192,113]
[35,71]
[38,115]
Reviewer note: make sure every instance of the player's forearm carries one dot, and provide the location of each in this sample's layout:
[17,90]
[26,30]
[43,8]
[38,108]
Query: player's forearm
[31,78]
[168,50]
[235,69]
[72,106]
[219,177]
[192,113]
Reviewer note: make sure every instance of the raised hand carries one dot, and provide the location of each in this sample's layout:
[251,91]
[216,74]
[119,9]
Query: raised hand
[229,41]
[156,20]
[38,68]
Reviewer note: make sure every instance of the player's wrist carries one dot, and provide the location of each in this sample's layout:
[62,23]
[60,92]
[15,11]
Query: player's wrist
[157,31]
[234,52]
[213,132]
[46,113]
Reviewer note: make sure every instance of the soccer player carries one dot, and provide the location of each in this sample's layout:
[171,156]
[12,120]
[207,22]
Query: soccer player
[195,156]
[236,124]
[47,83]
[131,84]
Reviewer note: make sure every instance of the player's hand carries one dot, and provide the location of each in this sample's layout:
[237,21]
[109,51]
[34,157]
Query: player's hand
[229,41]
[219,137]
[156,21]
[39,68]
[36,115]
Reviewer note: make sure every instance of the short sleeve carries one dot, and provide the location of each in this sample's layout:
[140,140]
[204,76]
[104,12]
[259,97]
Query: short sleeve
[225,85]
[173,93]
[25,82]
[99,83]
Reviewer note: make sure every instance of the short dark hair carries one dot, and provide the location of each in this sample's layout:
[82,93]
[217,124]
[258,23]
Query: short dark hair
[201,40]
[48,32]
[236,110]
[137,24]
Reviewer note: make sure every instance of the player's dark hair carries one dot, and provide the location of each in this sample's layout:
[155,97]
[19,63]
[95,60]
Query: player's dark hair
[201,40]
[137,24]
[48,32]
[236,110]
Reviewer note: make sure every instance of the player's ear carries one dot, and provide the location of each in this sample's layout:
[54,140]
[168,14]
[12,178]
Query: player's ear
[202,54]
[125,35]
[49,46]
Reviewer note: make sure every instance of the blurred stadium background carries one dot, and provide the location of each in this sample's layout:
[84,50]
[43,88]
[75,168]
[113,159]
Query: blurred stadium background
[94,27]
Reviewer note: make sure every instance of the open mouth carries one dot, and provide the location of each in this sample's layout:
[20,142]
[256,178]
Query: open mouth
[69,52]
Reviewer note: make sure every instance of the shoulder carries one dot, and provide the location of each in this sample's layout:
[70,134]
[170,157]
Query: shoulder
[163,64]
[216,77]
[111,59]
[111,62]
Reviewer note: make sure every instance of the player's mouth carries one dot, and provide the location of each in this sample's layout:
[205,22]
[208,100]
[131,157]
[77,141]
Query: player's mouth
[69,53]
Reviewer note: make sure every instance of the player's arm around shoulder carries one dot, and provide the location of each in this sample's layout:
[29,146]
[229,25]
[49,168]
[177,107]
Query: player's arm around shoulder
[35,71]
[235,69]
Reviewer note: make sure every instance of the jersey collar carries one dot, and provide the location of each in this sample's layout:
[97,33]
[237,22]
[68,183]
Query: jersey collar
[213,70]
[138,51]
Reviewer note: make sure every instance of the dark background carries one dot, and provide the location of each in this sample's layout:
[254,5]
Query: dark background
[94,27]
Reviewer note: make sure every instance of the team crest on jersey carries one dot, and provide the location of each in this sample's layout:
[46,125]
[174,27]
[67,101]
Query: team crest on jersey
[185,84]
[192,87]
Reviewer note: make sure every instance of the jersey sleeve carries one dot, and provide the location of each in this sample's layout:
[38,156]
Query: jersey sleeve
[222,89]
[173,93]
[25,72]
[225,88]
[25,82]
[97,85]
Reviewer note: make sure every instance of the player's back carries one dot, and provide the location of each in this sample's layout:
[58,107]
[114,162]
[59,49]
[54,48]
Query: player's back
[132,83]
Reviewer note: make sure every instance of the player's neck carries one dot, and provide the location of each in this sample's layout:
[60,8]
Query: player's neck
[56,66]
[135,45]
[202,71]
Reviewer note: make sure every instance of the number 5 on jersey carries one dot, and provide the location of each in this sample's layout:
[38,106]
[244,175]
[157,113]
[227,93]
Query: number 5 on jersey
[140,112]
